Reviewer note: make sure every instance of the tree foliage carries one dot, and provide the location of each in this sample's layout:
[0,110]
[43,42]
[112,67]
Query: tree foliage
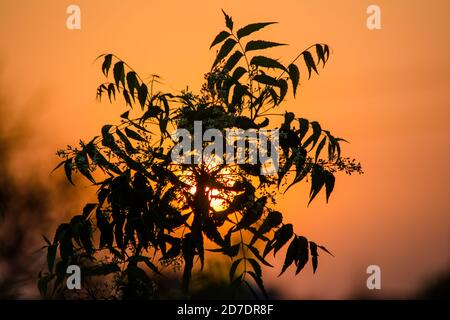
[151,213]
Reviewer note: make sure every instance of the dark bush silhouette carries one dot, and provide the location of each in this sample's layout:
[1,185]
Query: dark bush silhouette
[153,213]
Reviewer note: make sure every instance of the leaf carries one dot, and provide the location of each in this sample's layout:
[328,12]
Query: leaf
[310,64]
[142,95]
[302,255]
[265,79]
[256,267]
[219,38]
[260,283]
[128,146]
[68,170]
[329,183]
[125,115]
[290,255]
[320,147]
[261,45]
[317,130]
[258,256]
[106,128]
[99,159]
[282,84]
[228,21]
[132,82]
[314,255]
[262,61]
[326,52]
[81,162]
[317,182]
[282,236]
[232,61]
[320,54]
[326,250]
[106,64]
[304,126]
[234,267]
[133,135]
[294,75]
[126,96]
[249,29]
[224,50]
[111,91]
[51,255]
[119,74]
[238,73]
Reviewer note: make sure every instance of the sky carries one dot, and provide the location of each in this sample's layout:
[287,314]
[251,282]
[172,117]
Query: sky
[386,91]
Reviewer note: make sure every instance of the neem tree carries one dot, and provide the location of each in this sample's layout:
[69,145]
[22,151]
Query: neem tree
[152,213]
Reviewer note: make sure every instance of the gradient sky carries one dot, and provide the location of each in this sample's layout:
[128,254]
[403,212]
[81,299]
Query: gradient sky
[386,91]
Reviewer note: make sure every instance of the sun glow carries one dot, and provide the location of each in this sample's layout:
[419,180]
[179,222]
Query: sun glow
[218,199]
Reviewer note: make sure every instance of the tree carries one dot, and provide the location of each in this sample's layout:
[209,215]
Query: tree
[153,212]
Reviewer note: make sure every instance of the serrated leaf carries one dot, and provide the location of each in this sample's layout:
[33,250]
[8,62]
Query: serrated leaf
[317,130]
[228,21]
[265,79]
[238,73]
[233,60]
[282,84]
[320,147]
[259,282]
[317,182]
[294,75]
[233,268]
[266,62]
[132,82]
[304,126]
[106,64]
[224,50]
[256,267]
[119,74]
[320,54]
[222,36]
[326,51]
[142,95]
[251,28]
[258,256]
[261,45]
[310,64]
[329,183]
[111,91]
[282,236]
[290,255]
[302,255]
[126,96]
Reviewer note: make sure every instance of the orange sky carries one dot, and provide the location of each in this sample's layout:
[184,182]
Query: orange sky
[385,90]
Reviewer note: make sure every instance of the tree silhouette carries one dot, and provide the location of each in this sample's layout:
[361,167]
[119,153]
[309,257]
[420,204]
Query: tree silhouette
[153,212]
